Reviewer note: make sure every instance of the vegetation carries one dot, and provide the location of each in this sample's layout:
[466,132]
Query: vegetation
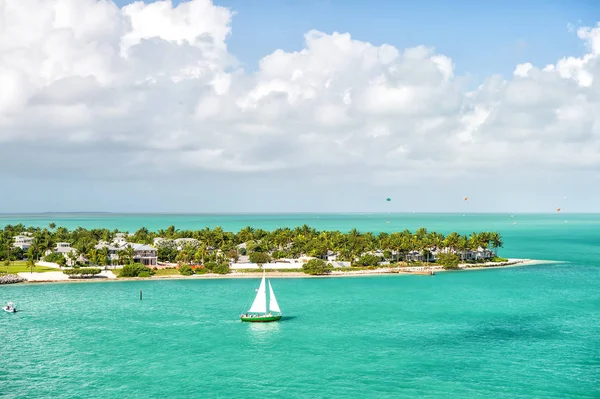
[260,258]
[221,268]
[449,261]
[316,267]
[185,270]
[369,260]
[212,249]
[136,270]
[82,272]
[22,266]
[56,258]
[166,272]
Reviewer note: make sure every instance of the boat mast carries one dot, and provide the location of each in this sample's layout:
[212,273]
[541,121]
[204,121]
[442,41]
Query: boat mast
[267,298]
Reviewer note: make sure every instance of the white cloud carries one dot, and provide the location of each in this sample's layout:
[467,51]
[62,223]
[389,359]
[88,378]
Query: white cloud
[154,86]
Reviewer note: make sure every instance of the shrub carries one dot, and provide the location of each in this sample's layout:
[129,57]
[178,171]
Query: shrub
[82,272]
[144,274]
[185,270]
[202,270]
[221,268]
[54,257]
[260,257]
[135,270]
[210,265]
[316,267]
[368,260]
[449,261]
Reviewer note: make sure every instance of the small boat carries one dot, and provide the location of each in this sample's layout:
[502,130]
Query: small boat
[10,308]
[258,311]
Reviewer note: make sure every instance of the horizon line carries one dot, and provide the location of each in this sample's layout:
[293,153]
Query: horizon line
[300,213]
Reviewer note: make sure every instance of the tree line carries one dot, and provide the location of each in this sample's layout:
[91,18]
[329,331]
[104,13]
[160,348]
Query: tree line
[217,245]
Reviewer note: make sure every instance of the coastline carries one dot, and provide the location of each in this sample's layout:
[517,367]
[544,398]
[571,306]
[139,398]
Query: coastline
[108,276]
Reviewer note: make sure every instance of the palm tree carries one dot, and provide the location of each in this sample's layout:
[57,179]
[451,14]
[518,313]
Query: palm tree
[84,247]
[463,245]
[94,256]
[452,241]
[473,243]
[496,240]
[31,264]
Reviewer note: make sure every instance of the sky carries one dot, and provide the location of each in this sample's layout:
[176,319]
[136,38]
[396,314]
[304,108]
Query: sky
[299,106]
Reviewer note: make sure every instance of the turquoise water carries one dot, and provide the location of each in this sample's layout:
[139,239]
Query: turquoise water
[525,332]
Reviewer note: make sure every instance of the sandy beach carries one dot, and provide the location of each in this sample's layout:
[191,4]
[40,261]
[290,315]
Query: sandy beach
[109,276]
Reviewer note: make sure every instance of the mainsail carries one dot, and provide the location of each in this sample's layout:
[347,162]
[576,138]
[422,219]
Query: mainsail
[260,302]
[273,305]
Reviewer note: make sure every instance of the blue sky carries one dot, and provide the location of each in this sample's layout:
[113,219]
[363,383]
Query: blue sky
[482,37]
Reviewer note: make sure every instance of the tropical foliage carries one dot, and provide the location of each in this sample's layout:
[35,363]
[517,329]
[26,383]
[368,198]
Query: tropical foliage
[449,261]
[82,272]
[185,270]
[136,270]
[316,267]
[219,246]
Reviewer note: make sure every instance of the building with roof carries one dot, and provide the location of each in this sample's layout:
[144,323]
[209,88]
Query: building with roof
[144,254]
[23,241]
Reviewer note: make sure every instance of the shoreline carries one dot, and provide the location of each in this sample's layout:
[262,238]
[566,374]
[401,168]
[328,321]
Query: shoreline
[38,278]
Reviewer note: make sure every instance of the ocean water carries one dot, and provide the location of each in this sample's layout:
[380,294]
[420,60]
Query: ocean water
[522,332]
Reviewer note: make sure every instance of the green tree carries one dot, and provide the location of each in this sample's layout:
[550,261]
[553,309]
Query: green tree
[185,270]
[221,268]
[260,258]
[316,267]
[135,270]
[448,260]
[369,260]
[82,272]
[496,241]
[31,264]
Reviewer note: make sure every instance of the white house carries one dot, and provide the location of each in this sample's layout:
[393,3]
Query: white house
[112,250]
[23,241]
[63,248]
[144,254]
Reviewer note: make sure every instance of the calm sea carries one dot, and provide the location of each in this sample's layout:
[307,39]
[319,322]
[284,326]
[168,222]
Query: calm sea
[524,332]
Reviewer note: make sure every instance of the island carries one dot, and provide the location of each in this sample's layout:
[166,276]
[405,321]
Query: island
[56,253]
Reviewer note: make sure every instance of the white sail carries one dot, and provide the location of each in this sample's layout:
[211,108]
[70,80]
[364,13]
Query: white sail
[260,302]
[273,305]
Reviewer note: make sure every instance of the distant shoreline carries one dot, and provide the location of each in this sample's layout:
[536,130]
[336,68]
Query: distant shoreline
[255,275]
[294,213]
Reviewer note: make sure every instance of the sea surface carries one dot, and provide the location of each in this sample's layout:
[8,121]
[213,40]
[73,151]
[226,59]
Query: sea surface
[521,332]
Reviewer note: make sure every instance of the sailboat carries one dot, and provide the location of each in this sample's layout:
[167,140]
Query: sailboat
[258,311]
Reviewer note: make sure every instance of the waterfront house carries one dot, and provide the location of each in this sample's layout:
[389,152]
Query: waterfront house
[112,251]
[63,248]
[23,241]
[144,254]
[331,256]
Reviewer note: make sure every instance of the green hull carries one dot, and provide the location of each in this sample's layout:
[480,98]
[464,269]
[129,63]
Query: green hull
[260,319]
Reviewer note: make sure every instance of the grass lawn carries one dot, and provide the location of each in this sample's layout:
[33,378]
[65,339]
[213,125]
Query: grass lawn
[21,266]
[166,272]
